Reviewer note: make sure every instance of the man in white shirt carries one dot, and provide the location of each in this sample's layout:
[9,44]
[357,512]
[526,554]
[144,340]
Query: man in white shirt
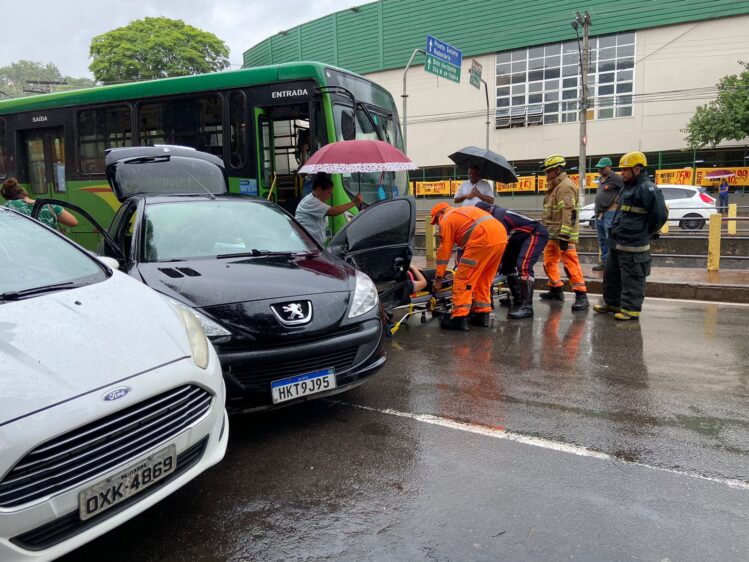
[312,211]
[474,190]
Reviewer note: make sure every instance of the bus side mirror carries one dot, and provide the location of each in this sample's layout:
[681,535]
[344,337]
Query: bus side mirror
[348,125]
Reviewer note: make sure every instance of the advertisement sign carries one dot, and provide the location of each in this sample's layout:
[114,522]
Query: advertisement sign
[525,184]
[740,177]
[433,188]
[677,177]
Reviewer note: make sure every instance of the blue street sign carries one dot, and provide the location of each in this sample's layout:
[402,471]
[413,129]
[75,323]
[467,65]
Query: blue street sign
[444,51]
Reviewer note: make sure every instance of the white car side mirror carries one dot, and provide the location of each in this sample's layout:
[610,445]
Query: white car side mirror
[111,263]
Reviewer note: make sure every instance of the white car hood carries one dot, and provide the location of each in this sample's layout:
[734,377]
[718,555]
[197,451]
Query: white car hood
[61,345]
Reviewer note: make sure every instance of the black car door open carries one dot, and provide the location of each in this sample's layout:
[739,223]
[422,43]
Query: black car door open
[379,241]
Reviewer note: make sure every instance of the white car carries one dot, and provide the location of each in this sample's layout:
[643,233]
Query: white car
[689,207]
[111,398]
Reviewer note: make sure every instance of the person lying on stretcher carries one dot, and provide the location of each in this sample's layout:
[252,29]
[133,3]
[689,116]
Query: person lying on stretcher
[419,281]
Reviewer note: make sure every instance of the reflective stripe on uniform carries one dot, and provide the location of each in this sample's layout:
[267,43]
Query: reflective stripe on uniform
[631,209]
[466,306]
[467,235]
[468,262]
[624,248]
[443,262]
[477,304]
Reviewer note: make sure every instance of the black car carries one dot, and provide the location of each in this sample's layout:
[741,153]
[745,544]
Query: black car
[288,319]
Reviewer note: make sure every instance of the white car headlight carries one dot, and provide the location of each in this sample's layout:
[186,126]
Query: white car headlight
[195,325]
[365,296]
[210,327]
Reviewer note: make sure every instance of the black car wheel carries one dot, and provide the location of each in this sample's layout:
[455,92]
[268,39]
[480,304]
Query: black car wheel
[692,221]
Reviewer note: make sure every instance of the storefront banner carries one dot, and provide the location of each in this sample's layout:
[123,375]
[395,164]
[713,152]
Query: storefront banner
[525,183]
[433,188]
[740,177]
[675,177]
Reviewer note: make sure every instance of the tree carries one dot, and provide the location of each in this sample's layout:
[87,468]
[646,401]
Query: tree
[155,48]
[15,77]
[724,118]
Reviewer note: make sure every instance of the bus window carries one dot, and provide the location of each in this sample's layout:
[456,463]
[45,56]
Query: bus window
[237,129]
[99,129]
[194,122]
[3,151]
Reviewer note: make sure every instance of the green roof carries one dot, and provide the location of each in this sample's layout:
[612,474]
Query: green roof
[382,35]
[168,86]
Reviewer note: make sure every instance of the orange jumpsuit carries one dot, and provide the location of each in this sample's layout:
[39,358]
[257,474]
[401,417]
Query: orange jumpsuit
[483,240]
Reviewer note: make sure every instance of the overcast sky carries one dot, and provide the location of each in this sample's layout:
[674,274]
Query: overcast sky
[60,31]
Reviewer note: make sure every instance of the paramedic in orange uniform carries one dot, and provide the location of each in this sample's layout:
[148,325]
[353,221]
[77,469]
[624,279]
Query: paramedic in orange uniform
[483,240]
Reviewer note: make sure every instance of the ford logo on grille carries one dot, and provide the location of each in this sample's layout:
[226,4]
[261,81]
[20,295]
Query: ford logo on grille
[294,313]
[116,394]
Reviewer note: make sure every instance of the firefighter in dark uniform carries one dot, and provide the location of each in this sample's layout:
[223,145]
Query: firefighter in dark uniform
[528,238]
[639,217]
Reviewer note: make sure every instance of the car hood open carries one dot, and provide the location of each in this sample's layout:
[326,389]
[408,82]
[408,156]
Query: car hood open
[211,282]
[62,345]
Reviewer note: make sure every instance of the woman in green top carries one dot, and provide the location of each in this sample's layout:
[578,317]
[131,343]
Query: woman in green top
[19,200]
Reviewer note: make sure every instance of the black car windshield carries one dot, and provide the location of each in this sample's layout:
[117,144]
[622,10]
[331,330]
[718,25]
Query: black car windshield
[212,228]
[169,174]
[35,261]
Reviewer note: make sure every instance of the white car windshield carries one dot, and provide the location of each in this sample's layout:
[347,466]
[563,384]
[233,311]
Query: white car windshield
[35,261]
[212,229]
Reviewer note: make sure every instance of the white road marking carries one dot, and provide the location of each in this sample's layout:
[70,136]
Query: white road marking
[499,433]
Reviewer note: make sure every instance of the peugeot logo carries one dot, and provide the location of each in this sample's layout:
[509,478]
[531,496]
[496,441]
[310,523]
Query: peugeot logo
[294,313]
[116,394]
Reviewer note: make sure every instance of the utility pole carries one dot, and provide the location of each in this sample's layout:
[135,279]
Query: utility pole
[405,100]
[583,20]
[486,91]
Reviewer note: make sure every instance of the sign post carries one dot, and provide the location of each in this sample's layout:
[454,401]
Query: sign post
[443,59]
[475,74]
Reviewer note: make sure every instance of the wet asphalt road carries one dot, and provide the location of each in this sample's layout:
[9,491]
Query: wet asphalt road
[568,437]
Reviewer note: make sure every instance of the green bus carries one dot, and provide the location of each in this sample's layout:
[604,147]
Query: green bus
[263,122]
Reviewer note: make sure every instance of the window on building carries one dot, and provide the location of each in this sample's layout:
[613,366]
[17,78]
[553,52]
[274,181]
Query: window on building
[98,130]
[541,84]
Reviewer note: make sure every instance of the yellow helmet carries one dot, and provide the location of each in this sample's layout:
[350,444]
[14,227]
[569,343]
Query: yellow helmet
[553,161]
[632,159]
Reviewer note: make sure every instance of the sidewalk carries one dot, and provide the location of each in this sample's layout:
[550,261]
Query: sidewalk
[666,282]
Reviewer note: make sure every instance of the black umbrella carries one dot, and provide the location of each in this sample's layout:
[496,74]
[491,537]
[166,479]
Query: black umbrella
[491,165]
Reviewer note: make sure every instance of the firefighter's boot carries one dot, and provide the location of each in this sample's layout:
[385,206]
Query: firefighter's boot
[513,283]
[457,323]
[581,301]
[553,294]
[525,310]
[479,319]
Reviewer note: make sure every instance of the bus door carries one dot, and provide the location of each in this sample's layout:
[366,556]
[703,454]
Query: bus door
[43,153]
[283,144]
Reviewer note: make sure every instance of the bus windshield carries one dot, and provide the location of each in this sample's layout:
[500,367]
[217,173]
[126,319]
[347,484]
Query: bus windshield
[374,186]
[379,121]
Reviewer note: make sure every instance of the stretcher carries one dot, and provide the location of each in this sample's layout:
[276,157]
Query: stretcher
[438,303]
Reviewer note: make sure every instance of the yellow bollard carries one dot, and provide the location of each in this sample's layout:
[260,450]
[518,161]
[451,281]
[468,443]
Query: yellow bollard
[732,215]
[664,228]
[713,243]
[429,243]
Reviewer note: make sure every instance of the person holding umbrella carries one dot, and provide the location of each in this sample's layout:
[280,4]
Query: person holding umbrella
[312,211]
[474,189]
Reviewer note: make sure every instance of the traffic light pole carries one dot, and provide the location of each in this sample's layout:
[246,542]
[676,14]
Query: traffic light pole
[405,100]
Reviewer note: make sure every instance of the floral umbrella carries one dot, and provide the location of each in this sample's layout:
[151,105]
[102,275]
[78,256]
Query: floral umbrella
[345,157]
